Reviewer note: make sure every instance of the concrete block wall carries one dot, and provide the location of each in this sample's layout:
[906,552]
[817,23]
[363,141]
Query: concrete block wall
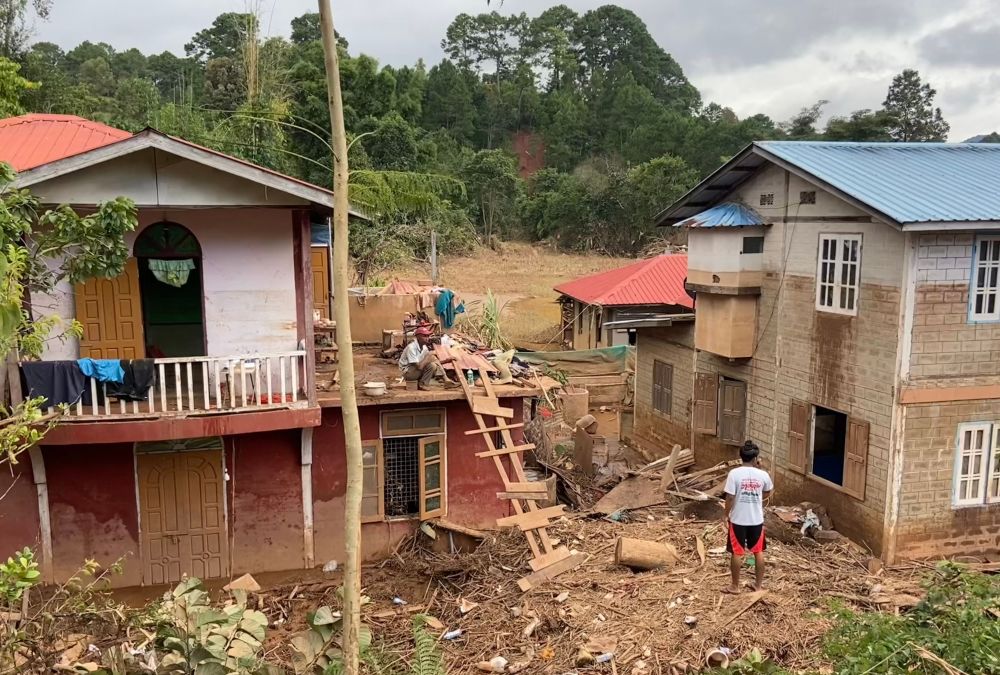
[929,525]
[675,346]
[946,346]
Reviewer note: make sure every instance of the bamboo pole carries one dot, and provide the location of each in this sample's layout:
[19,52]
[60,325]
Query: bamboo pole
[348,392]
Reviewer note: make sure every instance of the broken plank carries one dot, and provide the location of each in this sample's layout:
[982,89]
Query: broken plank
[538,487]
[536,579]
[484,405]
[531,520]
[511,521]
[489,430]
[460,529]
[552,558]
[505,451]
[521,495]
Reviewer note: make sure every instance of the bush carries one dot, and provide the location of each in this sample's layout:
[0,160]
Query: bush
[956,622]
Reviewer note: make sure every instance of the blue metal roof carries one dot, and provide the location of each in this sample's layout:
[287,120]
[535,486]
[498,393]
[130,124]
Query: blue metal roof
[727,214]
[908,182]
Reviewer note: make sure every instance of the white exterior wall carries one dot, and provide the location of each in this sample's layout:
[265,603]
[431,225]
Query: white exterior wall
[249,281]
[719,249]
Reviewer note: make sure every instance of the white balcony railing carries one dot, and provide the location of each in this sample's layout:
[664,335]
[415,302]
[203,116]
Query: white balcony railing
[208,384]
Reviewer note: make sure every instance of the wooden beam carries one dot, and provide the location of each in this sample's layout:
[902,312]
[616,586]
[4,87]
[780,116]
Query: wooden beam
[519,495]
[531,520]
[483,405]
[505,451]
[460,529]
[538,487]
[489,430]
[537,578]
[541,562]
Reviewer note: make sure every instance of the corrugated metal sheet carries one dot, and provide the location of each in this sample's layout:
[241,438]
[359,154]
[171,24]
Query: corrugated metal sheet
[728,214]
[32,140]
[656,281]
[909,182]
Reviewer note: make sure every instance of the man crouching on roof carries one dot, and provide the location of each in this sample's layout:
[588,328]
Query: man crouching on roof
[418,363]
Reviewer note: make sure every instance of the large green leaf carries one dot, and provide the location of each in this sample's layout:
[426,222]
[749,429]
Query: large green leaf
[211,669]
[323,616]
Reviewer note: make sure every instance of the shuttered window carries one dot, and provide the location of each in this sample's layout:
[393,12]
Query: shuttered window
[977,464]
[373,482]
[732,411]
[432,478]
[798,436]
[663,387]
[984,304]
[828,445]
[856,458]
[706,403]
[838,275]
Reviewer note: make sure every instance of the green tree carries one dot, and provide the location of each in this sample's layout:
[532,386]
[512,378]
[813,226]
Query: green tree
[612,38]
[802,127]
[550,44]
[910,105]
[96,74]
[129,63]
[494,186]
[448,102]
[183,121]
[137,101]
[85,51]
[565,128]
[225,37]
[392,144]
[225,84]
[860,125]
[15,30]
[12,88]
[176,78]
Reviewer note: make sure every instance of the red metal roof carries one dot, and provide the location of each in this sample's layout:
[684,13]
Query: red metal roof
[32,140]
[656,281]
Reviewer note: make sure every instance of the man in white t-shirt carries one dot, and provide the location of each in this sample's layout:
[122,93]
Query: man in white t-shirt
[418,363]
[747,487]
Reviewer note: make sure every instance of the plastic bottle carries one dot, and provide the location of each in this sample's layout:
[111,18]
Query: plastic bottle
[470,377]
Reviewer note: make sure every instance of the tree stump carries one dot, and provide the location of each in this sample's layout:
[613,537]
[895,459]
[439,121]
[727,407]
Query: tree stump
[644,555]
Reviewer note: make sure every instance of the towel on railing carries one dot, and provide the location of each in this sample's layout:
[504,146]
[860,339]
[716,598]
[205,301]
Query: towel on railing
[57,382]
[103,370]
[139,377]
[171,272]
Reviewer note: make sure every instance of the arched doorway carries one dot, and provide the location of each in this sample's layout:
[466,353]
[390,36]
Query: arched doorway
[170,284]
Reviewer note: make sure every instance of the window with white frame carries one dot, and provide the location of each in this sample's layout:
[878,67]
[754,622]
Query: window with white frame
[838,275]
[977,464]
[985,291]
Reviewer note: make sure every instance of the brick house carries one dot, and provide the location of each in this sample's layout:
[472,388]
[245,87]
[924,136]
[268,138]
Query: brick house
[848,320]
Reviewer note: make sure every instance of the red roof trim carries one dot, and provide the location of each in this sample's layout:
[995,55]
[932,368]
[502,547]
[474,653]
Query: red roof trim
[656,281]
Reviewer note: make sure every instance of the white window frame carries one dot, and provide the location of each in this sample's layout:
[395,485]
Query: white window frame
[991,282]
[988,490]
[829,292]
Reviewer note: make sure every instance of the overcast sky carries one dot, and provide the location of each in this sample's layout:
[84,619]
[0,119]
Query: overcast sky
[770,56]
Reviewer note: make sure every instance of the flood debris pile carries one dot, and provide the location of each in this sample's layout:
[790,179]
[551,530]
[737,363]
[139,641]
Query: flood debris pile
[641,621]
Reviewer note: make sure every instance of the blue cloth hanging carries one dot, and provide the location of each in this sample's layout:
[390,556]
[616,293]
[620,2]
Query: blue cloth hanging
[446,310]
[103,370]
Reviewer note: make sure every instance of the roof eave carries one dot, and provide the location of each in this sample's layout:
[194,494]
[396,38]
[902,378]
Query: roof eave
[937,225]
[667,217]
[150,138]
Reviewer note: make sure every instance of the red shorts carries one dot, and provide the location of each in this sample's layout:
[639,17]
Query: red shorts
[745,539]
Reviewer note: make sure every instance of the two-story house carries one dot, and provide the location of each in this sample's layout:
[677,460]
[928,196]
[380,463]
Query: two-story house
[220,458]
[848,320]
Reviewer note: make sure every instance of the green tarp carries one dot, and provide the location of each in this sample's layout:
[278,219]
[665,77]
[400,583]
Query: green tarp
[606,361]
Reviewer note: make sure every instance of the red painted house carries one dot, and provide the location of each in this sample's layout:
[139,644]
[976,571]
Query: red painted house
[229,462]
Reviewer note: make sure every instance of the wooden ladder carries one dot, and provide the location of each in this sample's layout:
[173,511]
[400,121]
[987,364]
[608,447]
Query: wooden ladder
[547,561]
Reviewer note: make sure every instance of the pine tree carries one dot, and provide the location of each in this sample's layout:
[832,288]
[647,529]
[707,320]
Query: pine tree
[910,106]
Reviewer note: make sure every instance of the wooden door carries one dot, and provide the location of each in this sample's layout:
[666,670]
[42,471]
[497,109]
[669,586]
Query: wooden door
[732,411]
[110,311]
[320,265]
[181,516]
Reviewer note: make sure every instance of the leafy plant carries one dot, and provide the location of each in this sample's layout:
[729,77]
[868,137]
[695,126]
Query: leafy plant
[484,323]
[18,574]
[199,639]
[318,650]
[427,658]
[956,622]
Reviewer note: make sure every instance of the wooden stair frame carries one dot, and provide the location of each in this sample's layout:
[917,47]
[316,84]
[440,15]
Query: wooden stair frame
[547,560]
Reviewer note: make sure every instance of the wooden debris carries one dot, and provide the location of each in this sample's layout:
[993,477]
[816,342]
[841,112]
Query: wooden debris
[460,529]
[244,583]
[644,555]
[747,602]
